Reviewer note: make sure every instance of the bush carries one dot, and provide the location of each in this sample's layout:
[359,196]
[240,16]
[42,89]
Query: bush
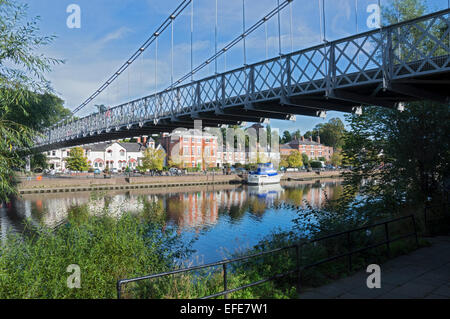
[316,164]
[106,249]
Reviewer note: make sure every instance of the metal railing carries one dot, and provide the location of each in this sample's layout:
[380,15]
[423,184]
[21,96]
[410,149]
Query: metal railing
[372,57]
[299,269]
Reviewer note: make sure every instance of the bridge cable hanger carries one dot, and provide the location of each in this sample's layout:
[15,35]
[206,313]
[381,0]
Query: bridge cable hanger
[136,55]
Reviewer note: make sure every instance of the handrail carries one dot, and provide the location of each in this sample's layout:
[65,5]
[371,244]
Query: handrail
[298,268]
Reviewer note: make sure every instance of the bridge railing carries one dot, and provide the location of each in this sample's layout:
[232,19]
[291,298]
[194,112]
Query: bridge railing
[411,48]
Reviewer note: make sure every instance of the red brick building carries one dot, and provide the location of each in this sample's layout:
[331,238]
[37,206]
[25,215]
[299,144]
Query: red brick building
[313,149]
[190,149]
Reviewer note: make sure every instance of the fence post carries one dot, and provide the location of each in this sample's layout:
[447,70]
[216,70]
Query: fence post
[386,229]
[299,272]
[119,290]
[415,230]
[350,253]
[225,281]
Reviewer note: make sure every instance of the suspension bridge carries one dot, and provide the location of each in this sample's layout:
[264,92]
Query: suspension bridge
[386,67]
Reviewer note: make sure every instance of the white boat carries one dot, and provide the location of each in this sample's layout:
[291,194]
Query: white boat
[265,174]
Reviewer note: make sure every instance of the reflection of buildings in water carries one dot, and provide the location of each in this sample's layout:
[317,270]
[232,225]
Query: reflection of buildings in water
[314,196]
[53,211]
[193,210]
[117,205]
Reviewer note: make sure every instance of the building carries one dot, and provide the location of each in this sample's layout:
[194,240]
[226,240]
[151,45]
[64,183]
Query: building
[314,150]
[191,149]
[114,155]
[118,155]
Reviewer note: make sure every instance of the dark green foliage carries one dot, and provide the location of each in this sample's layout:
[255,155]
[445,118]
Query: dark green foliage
[105,248]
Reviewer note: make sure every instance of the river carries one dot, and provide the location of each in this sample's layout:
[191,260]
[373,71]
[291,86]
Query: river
[222,219]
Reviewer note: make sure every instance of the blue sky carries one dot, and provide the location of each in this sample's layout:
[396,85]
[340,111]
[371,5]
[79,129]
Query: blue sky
[111,30]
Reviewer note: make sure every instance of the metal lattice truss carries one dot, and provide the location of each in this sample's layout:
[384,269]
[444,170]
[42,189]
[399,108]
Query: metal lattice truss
[402,62]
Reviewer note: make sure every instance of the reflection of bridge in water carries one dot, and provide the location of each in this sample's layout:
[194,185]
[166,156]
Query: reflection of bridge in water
[202,207]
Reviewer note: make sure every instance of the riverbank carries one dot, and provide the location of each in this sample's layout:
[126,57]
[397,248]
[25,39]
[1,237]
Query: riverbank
[78,184]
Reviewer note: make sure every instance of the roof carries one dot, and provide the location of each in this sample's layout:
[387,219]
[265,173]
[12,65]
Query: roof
[133,147]
[129,147]
[305,142]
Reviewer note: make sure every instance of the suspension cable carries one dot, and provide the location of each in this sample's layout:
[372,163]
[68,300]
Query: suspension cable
[234,42]
[279,30]
[243,32]
[150,40]
[215,40]
[291,27]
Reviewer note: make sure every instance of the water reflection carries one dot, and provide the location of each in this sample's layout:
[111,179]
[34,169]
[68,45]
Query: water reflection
[187,208]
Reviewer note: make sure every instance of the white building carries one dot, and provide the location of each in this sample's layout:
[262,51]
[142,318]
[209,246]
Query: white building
[114,155]
[103,155]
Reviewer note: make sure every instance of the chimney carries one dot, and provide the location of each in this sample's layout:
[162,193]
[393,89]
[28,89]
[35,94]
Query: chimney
[144,140]
[303,138]
[310,138]
[138,140]
[318,139]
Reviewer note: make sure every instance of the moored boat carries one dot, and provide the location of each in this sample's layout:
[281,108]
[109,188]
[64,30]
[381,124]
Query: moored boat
[265,174]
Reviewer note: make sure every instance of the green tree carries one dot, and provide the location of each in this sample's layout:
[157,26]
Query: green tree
[295,159]
[22,71]
[283,162]
[286,137]
[39,112]
[297,135]
[305,159]
[336,158]
[331,133]
[153,159]
[77,161]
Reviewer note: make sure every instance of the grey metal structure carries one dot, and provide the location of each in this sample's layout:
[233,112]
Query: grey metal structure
[402,62]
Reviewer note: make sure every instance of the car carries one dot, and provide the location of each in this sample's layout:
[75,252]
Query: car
[97,171]
[175,171]
[114,170]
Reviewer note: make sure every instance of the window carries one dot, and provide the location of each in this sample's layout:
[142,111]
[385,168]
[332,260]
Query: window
[54,153]
[122,153]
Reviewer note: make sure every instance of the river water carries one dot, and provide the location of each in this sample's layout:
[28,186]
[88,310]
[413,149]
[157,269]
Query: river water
[222,219]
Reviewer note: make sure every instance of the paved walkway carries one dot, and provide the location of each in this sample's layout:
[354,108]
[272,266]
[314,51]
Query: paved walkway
[424,273]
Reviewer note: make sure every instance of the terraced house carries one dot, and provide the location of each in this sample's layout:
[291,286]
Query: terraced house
[314,149]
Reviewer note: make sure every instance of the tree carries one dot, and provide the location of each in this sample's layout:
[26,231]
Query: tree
[41,111]
[331,133]
[297,135]
[305,159]
[153,159]
[336,158]
[295,159]
[283,162]
[22,71]
[286,137]
[77,161]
